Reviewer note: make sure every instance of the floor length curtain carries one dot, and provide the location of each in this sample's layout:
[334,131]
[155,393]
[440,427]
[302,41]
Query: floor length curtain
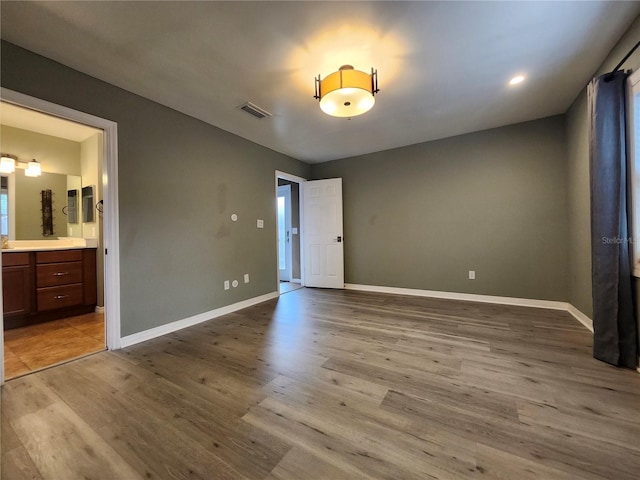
[613,316]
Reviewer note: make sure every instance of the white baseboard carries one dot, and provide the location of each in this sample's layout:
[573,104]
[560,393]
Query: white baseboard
[581,317]
[296,280]
[472,297]
[99,309]
[194,320]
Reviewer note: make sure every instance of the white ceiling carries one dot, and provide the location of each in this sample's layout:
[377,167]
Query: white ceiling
[443,66]
[18,117]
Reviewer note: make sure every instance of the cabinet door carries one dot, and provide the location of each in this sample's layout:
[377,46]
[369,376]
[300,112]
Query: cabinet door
[16,291]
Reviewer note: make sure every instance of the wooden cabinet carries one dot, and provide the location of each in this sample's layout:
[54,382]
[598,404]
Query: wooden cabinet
[47,285]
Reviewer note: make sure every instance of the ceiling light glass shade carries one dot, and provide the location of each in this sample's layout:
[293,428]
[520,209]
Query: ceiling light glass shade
[33,169]
[347,92]
[7,164]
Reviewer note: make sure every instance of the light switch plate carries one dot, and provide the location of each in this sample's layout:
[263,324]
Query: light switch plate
[294,230]
[472,274]
[260,223]
[226,284]
[246,278]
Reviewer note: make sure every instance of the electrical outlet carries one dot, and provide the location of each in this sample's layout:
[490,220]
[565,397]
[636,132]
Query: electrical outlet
[472,274]
[246,278]
[226,284]
[260,223]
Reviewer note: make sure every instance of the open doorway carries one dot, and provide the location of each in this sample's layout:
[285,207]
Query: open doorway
[289,232]
[53,266]
[59,295]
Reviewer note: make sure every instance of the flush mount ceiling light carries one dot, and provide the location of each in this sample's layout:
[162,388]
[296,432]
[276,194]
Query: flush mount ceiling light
[33,169]
[7,163]
[516,80]
[347,92]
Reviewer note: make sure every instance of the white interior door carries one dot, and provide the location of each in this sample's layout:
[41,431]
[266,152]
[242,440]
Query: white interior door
[284,232]
[323,244]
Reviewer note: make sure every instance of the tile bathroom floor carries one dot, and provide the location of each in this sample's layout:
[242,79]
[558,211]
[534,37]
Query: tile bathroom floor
[35,347]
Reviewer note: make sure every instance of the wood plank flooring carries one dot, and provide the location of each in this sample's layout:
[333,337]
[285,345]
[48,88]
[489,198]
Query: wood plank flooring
[324,384]
[286,287]
[31,348]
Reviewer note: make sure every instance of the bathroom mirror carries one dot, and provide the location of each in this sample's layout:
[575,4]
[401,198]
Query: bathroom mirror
[24,212]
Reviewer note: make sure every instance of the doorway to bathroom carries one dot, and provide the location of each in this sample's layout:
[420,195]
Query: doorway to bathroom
[53,294]
[288,188]
[57,281]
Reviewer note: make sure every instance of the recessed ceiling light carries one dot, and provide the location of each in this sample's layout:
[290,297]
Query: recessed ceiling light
[516,80]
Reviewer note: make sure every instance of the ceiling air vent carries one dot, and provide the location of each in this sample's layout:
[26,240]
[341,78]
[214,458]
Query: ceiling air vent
[254,110]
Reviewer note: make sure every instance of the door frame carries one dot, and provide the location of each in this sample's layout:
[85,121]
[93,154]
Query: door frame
[300,181]
[111,230]
[288,246]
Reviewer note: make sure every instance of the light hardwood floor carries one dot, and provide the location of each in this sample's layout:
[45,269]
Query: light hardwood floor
[325,384]
[286,287]
[45,344]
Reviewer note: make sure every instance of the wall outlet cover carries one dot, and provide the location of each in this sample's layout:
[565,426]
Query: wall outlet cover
[246,278]
[226,284]
[260,223]
[472,274]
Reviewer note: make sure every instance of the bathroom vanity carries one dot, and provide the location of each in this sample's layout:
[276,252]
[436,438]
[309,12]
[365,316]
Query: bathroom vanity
[46,281]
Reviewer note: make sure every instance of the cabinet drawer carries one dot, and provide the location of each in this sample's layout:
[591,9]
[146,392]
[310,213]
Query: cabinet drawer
[15,259]
[54,274]
[56,256]
[50,298]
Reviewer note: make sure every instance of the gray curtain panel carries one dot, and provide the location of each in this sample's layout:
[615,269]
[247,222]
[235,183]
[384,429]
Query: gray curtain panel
[614,325]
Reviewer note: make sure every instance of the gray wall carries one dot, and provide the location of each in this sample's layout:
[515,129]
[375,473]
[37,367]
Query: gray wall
[179,182]
[422,216]
[578,185]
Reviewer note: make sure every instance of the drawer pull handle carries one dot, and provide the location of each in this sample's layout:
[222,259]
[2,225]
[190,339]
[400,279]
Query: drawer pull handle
[60,274]
[60,297]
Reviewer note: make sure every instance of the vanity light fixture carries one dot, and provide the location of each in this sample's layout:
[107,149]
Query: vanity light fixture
[7,163]
[33,169]
[347,92]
